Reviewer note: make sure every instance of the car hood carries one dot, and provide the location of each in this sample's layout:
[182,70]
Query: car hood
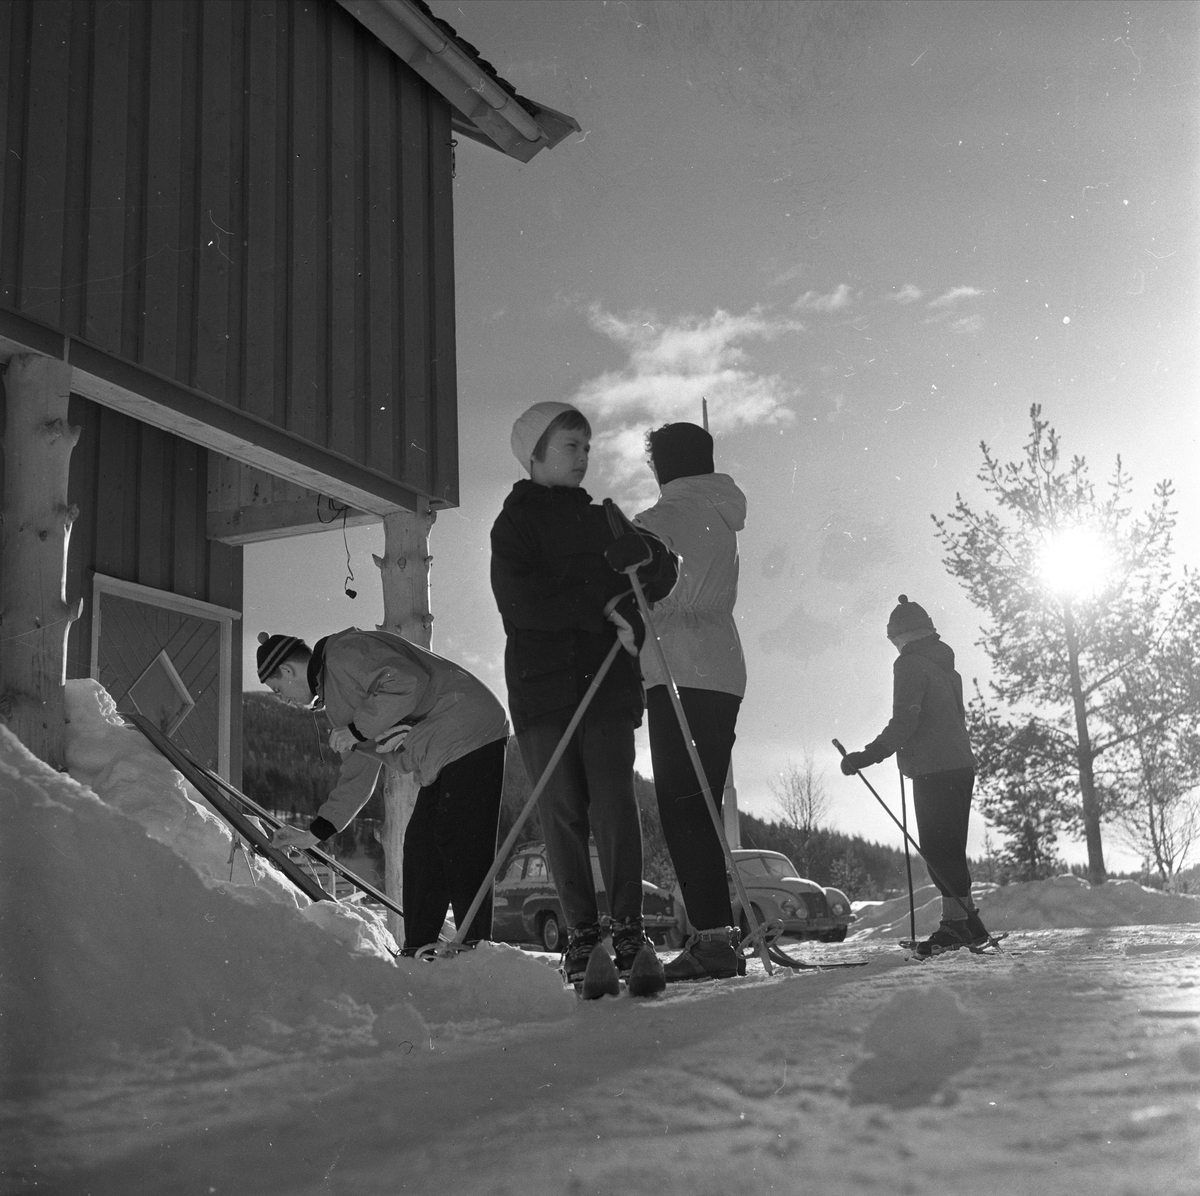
[789,884]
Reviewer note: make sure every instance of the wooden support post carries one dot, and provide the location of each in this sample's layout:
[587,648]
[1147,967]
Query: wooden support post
[404,569]
[35,528]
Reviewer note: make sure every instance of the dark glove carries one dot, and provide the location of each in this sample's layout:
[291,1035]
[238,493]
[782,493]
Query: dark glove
[852,762]
[628,551]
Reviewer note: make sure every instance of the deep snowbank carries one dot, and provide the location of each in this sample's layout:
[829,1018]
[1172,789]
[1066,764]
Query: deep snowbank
[1063,902]
[120,927]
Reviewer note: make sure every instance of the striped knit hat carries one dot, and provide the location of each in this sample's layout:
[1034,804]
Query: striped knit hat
[273,650]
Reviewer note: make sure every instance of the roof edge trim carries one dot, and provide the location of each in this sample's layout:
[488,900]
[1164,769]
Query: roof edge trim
[500,118]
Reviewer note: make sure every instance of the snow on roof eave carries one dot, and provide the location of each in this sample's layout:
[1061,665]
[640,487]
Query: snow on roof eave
[486,108]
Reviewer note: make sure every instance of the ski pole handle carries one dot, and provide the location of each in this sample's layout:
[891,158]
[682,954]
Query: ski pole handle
[839,747]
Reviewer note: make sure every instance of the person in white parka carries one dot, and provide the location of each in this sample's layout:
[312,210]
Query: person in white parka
[698,515]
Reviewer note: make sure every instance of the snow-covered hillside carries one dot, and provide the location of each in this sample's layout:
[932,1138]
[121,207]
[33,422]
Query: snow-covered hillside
[172,1022]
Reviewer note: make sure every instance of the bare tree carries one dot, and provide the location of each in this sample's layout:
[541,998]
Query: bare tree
[1162,822]
[800,798]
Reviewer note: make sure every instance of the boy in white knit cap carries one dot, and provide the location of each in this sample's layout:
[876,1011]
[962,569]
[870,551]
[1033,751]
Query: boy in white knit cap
[556,575]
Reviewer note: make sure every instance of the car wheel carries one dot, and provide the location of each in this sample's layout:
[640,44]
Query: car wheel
[744,922]
[551,934]
[834,936]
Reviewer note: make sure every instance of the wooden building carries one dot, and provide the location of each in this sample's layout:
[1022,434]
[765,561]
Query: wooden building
[233,219]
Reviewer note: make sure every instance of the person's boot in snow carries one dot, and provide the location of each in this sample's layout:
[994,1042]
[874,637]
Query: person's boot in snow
[707,955]
[949,936]
[977,932]
[580,942]
[628,938]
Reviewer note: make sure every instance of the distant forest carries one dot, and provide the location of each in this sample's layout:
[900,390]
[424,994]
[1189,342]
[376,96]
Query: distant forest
[287,766]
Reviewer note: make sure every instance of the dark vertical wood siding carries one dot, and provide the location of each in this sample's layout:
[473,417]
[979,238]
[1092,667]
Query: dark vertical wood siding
[251,197]
[142,496]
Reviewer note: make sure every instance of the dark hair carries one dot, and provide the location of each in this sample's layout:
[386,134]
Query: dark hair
[680,451]
[572,421]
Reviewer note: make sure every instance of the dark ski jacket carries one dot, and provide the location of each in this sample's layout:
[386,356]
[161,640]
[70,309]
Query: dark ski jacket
[928,729]
[551,583]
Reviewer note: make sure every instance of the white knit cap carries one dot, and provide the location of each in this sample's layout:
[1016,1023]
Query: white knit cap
[527,431]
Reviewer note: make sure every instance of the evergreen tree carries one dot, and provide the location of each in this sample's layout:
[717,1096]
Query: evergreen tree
[1080,604]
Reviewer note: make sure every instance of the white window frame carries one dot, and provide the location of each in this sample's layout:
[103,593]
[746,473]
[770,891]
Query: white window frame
[223,616]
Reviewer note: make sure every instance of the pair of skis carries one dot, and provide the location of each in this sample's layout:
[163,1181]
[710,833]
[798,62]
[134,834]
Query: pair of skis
[225,800]
[601,978]
[989,949]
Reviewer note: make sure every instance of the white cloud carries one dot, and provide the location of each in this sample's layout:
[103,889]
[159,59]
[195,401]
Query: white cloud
[837,300]
[908,293]
[671,367]
[953,295]
[968,324]
[783,277]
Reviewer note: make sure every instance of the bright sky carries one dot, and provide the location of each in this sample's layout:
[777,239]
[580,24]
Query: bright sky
[871,236]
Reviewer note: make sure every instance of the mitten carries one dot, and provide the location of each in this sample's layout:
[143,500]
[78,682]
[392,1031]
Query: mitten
[853,762]
[628,551]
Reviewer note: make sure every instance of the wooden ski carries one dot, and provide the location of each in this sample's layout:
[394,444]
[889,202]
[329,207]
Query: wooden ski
[203,782]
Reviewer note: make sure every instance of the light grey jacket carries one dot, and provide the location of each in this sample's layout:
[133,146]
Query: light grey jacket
[698,518]
[372,680]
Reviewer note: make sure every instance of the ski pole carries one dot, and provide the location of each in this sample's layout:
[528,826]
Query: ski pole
[757,932]
[912,909]
[941,884]
[456,942]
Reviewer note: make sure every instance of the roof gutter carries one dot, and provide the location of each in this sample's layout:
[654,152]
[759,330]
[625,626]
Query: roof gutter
[438,59]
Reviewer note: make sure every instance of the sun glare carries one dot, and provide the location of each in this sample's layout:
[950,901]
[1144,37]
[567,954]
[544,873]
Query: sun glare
[1074,562]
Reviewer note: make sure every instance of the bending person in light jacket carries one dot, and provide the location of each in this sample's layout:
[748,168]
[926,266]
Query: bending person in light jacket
[697,516]
[392,703]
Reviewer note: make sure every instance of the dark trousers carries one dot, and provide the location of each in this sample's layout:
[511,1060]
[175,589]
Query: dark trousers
[450,843]
[590,791]
[687,825]
[942,804]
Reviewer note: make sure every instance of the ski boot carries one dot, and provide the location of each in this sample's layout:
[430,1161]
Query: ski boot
[707,955]
[949,936]
[575,958]
[637,961]
[977,933]
[628,938]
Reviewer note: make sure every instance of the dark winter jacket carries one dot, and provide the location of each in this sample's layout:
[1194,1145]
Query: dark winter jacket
[551,583]
[928,730]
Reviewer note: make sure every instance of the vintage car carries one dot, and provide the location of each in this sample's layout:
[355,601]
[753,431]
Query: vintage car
[526,909]
[778,892]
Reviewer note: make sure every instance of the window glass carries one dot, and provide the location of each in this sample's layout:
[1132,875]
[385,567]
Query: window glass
[515,869]
[778,866]
[537,869]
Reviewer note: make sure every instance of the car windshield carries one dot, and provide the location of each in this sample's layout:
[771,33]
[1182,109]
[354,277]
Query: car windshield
[768,865]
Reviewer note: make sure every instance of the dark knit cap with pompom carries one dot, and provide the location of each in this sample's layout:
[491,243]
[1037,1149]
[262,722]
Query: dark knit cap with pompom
[908,616]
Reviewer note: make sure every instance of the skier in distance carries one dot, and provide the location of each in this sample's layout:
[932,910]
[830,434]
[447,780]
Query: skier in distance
[928,733]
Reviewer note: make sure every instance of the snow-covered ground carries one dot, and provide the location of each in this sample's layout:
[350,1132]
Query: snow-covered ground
[168,1028]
